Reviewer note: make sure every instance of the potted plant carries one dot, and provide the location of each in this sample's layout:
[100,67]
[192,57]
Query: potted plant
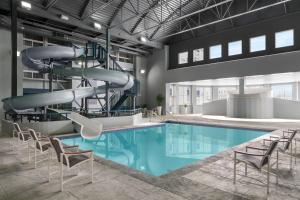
[159,99]
[144,108]
[185,108]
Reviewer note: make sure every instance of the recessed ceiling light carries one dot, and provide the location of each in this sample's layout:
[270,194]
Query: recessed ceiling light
[142,71]
[97,26]
[143,39]
[64,17]
[26,5]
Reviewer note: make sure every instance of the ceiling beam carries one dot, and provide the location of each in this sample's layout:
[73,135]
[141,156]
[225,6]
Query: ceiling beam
[225,19]
[169,17]
[140,19]
[116,11]
[49,4]
[53,16]
[99,8]
[84,8]
[208,7]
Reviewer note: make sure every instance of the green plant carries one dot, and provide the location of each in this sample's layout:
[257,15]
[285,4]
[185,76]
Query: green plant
[144,106]
[159,99]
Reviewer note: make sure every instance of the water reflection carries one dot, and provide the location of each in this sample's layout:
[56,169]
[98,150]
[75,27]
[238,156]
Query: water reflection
[161,149]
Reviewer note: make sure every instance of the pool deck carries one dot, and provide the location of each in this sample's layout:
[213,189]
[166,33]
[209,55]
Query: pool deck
[207,179]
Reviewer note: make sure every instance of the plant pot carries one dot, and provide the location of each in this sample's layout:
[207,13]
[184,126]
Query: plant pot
[159,110]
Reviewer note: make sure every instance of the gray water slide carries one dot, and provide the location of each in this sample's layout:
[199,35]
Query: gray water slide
[35,58]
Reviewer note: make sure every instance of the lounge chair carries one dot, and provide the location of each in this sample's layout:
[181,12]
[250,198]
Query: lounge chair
[23,137]
[286,142]
[257,161]
[41,145]
[70,159]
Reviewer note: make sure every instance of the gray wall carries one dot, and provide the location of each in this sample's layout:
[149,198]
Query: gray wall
[141,63]
[244,33]
[156,73]
[5,66]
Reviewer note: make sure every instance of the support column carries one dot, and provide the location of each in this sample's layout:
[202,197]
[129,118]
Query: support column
[242,85]
[14,46]
[107,67]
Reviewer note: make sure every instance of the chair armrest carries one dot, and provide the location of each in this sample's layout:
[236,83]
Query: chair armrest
[250,154]
[256,148]
[39,134]
[70,147]
[89,152]
[275,137]
[281,140]
[43,139]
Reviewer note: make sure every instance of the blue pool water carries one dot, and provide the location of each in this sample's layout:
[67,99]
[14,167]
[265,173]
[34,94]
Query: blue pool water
[161,149]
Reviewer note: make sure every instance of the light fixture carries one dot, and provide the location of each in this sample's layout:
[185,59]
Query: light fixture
[26,5]
[143,39]
[97,26]
[64,17]
[79,63]
[142,71]
[18,53]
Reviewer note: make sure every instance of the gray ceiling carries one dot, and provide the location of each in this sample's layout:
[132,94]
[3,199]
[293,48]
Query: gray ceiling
[158,20]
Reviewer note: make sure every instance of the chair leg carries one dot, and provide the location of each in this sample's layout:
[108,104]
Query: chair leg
[291,156]
[295,152]
[28,146]
[49,161]
[234,169]
[277,157]
[268,176]
[61,176]
[34,157]
[92,168]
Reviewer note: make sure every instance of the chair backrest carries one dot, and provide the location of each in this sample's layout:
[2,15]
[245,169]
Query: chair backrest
[19,131]
[289,141]
[269,152]
[33,134]
[35,138]
[57,146]
[17,127]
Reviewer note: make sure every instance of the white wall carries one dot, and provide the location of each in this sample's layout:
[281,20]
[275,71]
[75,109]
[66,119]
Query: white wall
[286,109]
[114,122]
[46,128]
[218,107]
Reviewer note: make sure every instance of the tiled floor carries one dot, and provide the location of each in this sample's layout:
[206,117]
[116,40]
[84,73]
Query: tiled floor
[208,179]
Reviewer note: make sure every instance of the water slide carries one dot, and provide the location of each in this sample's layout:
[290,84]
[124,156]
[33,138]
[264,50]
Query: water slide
[36,57]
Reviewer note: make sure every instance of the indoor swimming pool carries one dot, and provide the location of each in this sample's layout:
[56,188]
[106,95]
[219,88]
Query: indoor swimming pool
[161,149]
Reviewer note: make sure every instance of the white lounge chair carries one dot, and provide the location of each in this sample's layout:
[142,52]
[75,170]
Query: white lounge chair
[70,159]
[41,145]
[257,161]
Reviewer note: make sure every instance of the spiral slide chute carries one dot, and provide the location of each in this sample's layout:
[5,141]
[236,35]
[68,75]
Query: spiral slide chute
[36,57]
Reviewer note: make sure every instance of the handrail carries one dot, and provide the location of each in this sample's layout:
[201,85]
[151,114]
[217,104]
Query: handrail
[176,119]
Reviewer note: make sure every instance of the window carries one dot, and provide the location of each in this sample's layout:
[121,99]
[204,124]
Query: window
[223,92]
[198,55]
[235,48]
[283,91]
[215,51]
[203,95]
[258,43]
[184,95]
[284,39]
[183,57]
